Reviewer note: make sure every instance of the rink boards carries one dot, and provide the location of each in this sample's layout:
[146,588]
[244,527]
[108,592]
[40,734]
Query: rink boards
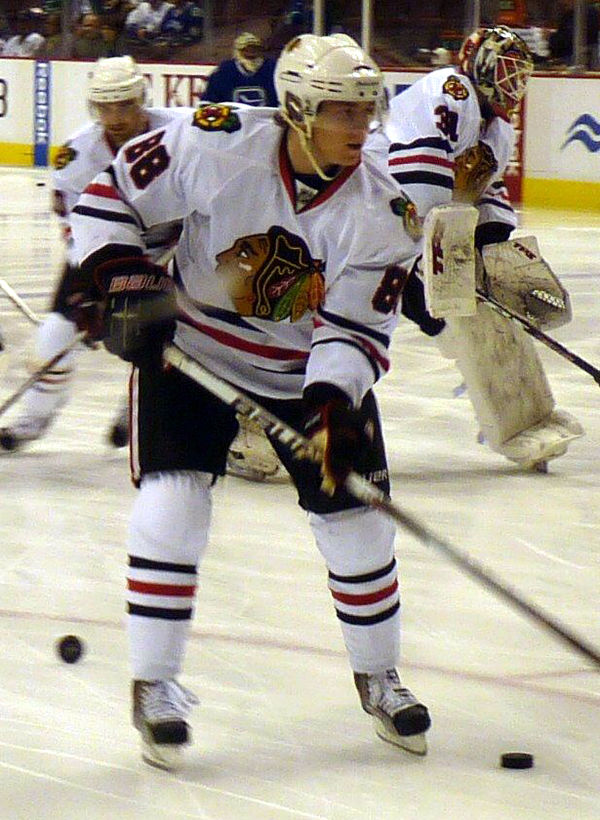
[556,162]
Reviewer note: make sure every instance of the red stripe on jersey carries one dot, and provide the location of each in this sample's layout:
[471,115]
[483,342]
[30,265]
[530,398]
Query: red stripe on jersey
[279,353]
[161,589]
[369,598]
[106,191]
[425,158]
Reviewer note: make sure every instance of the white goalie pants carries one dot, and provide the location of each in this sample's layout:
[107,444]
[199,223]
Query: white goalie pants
[168,536]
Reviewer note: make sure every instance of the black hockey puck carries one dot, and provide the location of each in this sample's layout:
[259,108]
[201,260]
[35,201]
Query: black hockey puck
[70,648]
[516,760]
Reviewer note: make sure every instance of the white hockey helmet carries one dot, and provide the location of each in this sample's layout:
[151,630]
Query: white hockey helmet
[499,63]
[115,79]
[313,69]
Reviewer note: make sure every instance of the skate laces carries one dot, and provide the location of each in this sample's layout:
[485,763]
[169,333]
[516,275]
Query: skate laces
[388,693]
[166,700]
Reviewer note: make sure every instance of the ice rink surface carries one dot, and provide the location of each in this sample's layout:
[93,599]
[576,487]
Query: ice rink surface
[279,733]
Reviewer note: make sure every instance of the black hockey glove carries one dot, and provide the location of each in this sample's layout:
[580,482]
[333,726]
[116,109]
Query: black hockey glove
[337,430]
[415,308]
[140,307]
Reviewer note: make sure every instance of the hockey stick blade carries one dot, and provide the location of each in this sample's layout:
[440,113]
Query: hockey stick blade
[19,302]
[538,334]
[371,496]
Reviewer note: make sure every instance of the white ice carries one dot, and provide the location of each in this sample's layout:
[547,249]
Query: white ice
[279,734]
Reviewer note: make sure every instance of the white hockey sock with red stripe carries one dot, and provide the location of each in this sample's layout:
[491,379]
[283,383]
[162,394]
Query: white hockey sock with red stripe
[168,536]
[358,546]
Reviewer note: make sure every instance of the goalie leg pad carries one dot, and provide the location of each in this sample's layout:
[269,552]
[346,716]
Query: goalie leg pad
[508,389]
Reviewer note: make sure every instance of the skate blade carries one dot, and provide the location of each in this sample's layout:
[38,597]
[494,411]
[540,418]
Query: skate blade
[415,744]
[166,757]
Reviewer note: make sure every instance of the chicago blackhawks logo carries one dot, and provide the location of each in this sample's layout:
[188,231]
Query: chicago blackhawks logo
[404,206]
[216,118]
[455,87]
[64,156]
[272,275]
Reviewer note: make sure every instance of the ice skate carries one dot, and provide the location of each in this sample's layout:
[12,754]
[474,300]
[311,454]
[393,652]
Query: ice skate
[26,429]
[251,456]
[118,434]
[159,711]
[398,716]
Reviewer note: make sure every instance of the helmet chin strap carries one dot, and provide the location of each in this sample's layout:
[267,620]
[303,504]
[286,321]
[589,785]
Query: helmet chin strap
[305,140]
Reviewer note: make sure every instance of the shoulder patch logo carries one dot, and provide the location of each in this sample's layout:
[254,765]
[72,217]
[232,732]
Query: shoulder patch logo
[216,118]
[404,206]
[64,156]
[455,87]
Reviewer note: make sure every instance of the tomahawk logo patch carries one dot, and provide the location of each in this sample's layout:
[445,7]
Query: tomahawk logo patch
[216,118]
[455,87]
[64,156]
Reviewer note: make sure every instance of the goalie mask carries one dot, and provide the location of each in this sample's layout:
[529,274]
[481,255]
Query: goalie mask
[499,63]
[248,52]
[116,79]
[312,70]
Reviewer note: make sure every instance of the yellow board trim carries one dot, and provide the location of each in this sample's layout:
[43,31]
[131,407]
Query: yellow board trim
[564,194]
[12,153]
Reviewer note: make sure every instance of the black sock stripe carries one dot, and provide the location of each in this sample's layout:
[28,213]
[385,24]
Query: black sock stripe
[161,566]
[362,579]
[160,612]
[368,620]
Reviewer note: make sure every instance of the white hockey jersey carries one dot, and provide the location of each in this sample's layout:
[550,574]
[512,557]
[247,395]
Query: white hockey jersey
[432,123]
[276,295]
[82,157]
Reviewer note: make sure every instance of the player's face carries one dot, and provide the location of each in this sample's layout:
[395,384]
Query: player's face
[340,130]
[121,120]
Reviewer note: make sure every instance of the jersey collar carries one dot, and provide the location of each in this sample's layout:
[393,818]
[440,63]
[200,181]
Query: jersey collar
[287,175]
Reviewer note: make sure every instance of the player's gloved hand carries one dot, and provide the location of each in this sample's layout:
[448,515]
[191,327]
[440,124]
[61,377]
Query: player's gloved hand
[139,308]
[337,429]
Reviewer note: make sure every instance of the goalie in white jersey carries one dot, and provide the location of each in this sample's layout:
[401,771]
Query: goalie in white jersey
[291,262]
[451,141]
[116,98]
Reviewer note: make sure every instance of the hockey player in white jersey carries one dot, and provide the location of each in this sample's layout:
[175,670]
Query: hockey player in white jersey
[116,96]
[291,263]
[451,142]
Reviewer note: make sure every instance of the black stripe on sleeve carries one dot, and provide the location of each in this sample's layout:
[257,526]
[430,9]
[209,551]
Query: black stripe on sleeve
[348,324]
[106,216]
[423,178]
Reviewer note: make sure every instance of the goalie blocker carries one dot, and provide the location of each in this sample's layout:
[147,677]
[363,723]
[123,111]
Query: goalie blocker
[503,373]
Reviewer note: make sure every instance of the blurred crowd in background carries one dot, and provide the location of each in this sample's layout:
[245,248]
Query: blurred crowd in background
[404,32]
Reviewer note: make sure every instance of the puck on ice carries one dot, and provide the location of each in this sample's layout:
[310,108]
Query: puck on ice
[516,760]
[70,648]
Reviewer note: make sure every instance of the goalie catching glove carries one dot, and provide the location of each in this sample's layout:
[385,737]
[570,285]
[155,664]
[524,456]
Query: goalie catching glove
[139,308]
[337,430]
